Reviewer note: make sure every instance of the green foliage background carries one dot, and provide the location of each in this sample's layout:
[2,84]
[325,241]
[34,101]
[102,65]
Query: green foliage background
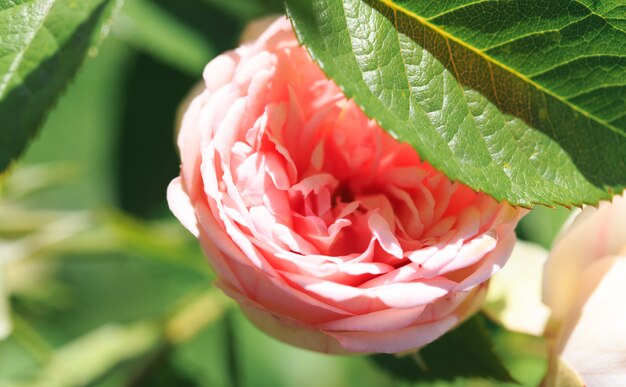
[109,290]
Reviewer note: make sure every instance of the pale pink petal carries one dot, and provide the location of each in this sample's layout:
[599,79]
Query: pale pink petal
[411,294]
[230,240]
[275,168]
[592,235]
[472,252]
[397,340]
[251,180]
[273,294]
[380,321]
[188,140]
[405,273]
[360,268]
[181,206]
[384,235]
[229,130]
[219,71]
[395,295]
[295,242]
[593,341]
[490,264]
[444,254]
[248,69]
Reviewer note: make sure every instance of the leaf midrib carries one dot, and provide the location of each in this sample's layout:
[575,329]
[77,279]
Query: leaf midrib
[391,4]
[15,65]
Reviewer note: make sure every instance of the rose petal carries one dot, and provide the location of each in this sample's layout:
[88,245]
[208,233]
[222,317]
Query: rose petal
[593,340]
[181,206]
[379,321]
[490,264]
[291,331]
[383,234]
[397,340]
[591,235]
[359,300]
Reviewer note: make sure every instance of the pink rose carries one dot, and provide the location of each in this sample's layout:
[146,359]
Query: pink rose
[330,234]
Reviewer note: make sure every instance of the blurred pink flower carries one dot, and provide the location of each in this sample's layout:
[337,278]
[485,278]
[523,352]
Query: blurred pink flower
[330,234]
[585,288]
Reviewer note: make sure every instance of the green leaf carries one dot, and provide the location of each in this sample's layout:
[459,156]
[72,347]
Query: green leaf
[85,359]
[526,356]
[153,30]
[247,9]
[542,225]
[43,44]
[467,351]
[523,100]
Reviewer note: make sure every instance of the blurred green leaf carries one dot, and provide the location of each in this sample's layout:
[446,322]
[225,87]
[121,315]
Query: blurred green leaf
[15,362]
[149,28]
[5,321]
[30,340]
[161,373]
[201,313]
[526,356]
[114,290]
[291,366]
[84,360]
[164,240]
[60,229]
[146,159]
[79,136]
[562,375]
[123,287]
[203,359]
[542,225]
[247,9]
[26,180]
[467,351]
[44,42]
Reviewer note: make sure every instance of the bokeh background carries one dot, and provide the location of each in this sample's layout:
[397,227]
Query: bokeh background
[105,287]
